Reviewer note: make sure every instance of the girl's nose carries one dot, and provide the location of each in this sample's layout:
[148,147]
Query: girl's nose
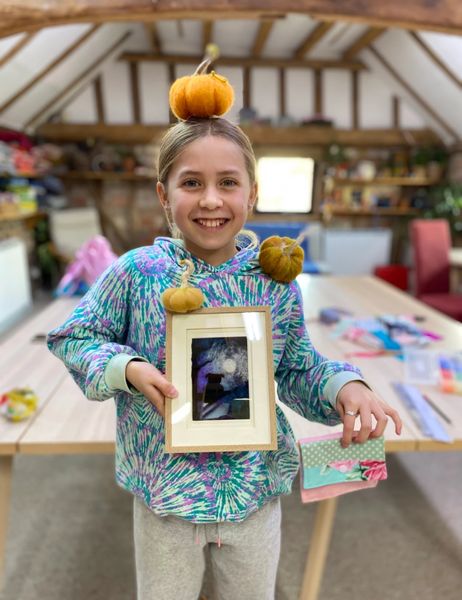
[210,199]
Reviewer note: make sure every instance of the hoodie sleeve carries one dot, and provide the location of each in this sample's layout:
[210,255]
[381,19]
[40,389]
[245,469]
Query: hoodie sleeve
[307,381]
[95,332]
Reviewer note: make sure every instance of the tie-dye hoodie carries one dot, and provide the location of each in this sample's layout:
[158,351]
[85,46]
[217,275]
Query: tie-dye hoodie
[122,317]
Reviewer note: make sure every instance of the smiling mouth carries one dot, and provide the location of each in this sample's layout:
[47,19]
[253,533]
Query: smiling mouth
[211,223]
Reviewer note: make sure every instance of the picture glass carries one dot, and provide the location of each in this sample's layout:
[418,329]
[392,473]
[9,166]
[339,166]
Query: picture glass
[220,378]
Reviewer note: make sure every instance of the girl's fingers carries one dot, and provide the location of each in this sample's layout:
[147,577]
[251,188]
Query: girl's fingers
[156,398]
[391,412]
[381,423]
[163,385]
[366,425]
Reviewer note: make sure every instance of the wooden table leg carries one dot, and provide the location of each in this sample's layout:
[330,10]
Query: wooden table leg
[6,463]
[319,547]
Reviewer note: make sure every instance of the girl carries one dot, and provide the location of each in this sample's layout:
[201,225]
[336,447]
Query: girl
[114,346]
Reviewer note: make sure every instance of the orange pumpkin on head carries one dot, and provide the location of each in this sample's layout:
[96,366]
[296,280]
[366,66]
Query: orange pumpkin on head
[201,94]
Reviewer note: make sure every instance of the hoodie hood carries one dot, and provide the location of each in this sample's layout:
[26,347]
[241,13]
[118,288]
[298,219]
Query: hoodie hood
[245,261]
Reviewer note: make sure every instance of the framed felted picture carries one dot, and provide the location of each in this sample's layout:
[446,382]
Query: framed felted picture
[221,362]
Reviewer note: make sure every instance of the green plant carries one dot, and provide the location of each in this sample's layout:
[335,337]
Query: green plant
[447,204]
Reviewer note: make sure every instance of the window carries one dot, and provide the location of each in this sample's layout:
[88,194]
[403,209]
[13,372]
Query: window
[285,185]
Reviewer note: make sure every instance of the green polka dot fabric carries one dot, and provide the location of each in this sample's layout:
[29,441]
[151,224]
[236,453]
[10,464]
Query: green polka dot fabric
[324,452]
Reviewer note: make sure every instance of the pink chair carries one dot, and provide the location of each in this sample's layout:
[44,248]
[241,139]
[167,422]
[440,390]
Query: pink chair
[431,242]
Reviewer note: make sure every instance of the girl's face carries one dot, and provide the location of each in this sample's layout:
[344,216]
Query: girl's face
[209,195]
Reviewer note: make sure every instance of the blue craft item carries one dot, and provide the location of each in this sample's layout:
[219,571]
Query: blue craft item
[422,413]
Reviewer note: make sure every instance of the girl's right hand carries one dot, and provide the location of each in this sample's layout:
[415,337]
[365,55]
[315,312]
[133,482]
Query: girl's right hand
[150,382]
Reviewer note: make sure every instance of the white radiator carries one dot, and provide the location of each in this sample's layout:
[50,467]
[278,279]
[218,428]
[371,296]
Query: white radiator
[15,292]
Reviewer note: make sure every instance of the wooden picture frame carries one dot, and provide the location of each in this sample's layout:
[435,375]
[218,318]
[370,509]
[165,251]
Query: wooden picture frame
[221,362]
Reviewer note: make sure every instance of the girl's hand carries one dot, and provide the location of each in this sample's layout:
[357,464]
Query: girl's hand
[150,382]
[357,398]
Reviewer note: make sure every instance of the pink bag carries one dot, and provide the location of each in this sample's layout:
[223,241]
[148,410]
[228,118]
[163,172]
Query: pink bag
[328,470]
[91,260]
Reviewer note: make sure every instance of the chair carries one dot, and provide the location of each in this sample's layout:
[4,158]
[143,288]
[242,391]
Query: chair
[71,228]
[431,241]
[285,229]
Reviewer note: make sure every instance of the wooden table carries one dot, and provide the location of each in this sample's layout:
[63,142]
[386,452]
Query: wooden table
[66,423]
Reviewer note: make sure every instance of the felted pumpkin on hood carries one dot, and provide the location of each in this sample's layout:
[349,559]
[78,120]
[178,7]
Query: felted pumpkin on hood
[281,258]
[185,298]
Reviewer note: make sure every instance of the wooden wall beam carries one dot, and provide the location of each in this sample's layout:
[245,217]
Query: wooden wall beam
[423,103]
[41,74]
[436,59]
[135,92]
[74,83]
[396,112]
[364,40]
[282,92]
[153,37]
[232,61]
[264,30]
[318,100]
[207,33]
[99,100]
[438,15]
[355,99]
[259,134]
[246,92]
[20,44]
[313,38]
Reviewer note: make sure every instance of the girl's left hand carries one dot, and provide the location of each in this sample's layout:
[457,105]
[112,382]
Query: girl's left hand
[358,399]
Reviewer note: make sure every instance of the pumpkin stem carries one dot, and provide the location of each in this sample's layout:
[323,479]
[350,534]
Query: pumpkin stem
[202,67]
[303,234]
[187,273]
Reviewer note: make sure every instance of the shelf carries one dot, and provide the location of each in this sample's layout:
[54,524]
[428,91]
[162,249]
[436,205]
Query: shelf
[368,212]
[398,181]
[21,216]
[22,175]
[105,176]
[298,135]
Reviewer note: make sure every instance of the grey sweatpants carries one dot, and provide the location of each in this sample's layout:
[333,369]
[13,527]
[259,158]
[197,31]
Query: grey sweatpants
[170,561]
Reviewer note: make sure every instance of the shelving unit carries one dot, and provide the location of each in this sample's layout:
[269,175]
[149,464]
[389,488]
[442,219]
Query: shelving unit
[386,181]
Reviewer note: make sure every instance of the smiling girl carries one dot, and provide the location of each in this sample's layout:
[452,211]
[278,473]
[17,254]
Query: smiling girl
[114,346]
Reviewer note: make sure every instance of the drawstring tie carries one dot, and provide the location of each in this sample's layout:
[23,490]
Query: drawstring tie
[218,536]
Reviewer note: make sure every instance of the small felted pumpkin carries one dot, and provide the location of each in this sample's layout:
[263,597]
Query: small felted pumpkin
[281,258]
[201,94]
[185,298]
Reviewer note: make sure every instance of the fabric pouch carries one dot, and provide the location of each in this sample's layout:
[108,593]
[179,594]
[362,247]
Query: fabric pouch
[328,470]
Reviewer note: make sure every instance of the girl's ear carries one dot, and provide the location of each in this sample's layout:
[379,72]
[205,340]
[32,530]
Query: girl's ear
[161,194]
[252,197]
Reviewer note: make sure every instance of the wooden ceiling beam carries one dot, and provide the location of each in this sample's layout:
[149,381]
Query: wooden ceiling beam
[410,90]
[352,65]
[264,29]
[153,37]
[313,38]
[362,42]
[41,74]
[20,44]
[436,59]
[74,83]
[259,134]
[437,15]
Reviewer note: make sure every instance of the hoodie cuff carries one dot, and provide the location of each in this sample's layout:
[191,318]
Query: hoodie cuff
[337,381]
[114,373]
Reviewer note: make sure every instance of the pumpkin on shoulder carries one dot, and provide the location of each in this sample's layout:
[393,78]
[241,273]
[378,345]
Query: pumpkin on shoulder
[281,258]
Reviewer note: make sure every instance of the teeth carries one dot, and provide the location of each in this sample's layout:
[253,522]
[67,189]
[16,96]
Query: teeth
[211,222]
